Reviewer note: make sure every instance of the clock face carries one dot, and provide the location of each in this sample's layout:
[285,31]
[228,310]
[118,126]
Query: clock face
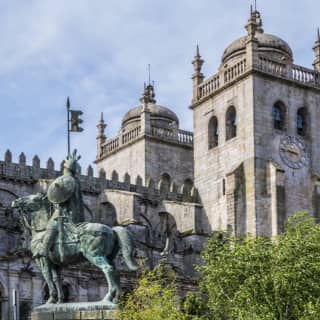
[293,152]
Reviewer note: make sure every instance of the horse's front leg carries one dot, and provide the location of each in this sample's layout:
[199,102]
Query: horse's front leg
[46,271]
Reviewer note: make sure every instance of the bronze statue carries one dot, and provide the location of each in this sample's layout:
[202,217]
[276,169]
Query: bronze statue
[62,238]
[65,194]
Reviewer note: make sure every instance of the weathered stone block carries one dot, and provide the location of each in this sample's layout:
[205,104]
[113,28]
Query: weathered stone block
[75,315]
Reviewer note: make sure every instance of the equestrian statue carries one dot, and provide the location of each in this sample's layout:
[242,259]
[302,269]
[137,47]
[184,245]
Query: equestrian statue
[61,237]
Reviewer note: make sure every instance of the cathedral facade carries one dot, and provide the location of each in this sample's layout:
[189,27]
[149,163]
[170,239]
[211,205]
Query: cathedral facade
[250,162]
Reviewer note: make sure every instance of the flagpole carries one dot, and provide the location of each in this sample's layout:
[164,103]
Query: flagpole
[68,125]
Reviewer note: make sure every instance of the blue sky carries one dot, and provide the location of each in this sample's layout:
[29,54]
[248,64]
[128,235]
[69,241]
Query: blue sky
[97,52]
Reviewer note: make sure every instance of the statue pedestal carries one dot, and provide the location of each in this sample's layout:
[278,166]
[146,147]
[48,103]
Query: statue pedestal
[74,311]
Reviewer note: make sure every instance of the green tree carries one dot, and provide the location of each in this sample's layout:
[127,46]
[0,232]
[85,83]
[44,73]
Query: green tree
[256,278]
[155,297]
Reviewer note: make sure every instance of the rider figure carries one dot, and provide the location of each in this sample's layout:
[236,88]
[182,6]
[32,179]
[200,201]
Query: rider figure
[65,194]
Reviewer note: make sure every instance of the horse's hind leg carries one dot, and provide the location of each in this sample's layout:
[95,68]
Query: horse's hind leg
[47,274]
[112,276]
[57,282]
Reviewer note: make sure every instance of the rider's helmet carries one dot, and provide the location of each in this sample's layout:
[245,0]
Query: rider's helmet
[71,163]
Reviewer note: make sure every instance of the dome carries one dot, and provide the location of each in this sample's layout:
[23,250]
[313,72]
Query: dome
[266,42]
[157,113]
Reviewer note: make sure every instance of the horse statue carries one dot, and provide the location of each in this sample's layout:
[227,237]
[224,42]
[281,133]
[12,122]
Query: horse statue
[95,242]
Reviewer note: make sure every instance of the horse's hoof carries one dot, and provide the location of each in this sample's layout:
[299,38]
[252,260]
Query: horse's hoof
[111,305]
[51,300]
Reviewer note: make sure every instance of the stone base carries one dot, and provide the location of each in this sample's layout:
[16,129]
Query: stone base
[74,311]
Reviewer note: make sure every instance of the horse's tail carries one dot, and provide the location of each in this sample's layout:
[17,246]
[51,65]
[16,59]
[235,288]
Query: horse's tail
[126,246]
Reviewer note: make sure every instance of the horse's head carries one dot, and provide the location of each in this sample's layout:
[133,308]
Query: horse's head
[30,203]
[34,211]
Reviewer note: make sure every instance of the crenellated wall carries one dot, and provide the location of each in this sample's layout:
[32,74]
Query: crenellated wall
[157,213]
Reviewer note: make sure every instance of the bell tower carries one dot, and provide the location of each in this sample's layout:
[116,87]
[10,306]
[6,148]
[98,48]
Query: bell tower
[255,137]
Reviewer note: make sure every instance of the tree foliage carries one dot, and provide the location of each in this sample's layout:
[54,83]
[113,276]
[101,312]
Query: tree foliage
[155,297]
[256,278]
[242,279]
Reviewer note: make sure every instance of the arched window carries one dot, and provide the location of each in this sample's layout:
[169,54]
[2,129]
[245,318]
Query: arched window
[279,112]
[231,123]
[302,121]
[213,133]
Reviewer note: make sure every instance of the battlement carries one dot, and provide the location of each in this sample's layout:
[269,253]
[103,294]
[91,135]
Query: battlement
[21,172]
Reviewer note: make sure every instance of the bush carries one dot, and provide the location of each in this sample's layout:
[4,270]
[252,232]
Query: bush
[154,298]
[255,278]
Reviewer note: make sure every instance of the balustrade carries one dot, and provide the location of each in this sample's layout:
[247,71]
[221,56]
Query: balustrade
[284,70]
[111,145]
[271,66]
[235,71]
[131,135]
[209,86]
[122,139]
[174,135]
[214,83]
[303,75]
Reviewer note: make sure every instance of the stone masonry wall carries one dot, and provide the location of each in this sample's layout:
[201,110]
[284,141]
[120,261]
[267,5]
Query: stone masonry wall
[213,165]
[163,157]
[298,183]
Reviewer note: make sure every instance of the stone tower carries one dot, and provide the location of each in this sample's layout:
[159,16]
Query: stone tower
[256,137]
[150,149]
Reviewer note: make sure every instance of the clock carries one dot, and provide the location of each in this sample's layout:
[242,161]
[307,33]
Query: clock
[293,152]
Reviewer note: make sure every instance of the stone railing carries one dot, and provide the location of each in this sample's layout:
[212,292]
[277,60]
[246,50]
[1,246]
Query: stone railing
[131,135]
[235,71]
[218,80]
[270,66]
[122,139]
[304,75]
[173,135]
[111,145]
[209,86]
[165,134]
[264,64]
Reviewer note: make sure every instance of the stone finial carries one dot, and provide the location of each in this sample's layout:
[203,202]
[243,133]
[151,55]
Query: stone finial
[197,63]
[127,179]
[148,95]
[36,162]
[139,181]
[150,184]
[254,23]
[173,187]
[101,128]
[194,194]
[90,171]
[197,76]
[102,174]
[114,176]
[316,49]
[22,159]
[50,164]
[8,156]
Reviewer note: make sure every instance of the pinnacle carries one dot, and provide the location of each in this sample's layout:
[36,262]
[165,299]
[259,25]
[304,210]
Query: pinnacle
[198,51]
